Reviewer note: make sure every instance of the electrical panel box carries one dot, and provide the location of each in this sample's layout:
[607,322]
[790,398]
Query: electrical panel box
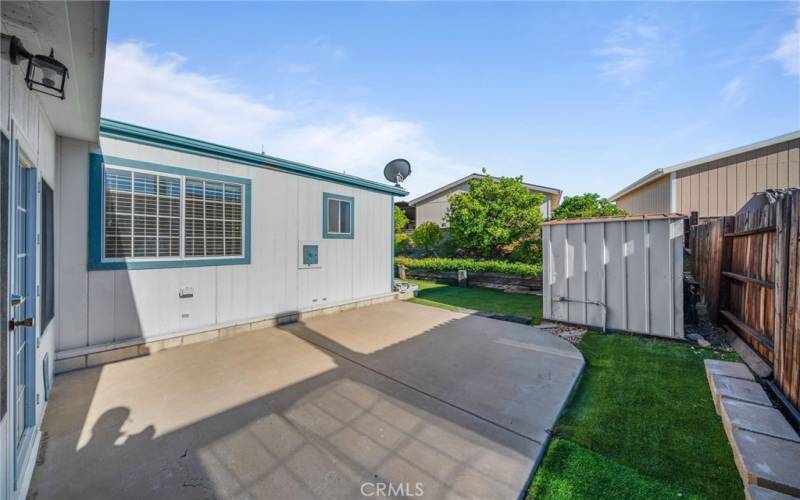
[308,255]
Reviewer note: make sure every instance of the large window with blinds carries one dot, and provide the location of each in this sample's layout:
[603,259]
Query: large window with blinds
[213,218]
[164,216]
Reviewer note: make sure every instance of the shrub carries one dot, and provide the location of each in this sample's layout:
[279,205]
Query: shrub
[400,219]
[427,236]
[470,265]
[495,216]
[402,243]
[527,251]
[585,206]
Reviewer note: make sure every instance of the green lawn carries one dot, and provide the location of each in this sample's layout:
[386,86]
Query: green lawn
[481,299]
[641,424]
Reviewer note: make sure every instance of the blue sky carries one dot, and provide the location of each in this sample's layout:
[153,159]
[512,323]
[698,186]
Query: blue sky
[579,96]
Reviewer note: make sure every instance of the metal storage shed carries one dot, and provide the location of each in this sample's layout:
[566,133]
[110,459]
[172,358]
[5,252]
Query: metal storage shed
[616,273]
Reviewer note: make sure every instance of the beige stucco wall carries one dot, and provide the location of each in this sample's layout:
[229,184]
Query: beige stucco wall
[720,187]
[435,209]
[652,198]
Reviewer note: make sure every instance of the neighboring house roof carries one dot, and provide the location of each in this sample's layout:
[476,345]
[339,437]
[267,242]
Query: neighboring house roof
[142,135]
[661,172]
[444,189]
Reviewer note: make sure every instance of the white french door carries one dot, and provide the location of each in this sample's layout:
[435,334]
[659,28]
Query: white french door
[22,304]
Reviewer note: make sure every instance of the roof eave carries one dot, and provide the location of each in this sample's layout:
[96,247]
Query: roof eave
[655,174]
[125,131]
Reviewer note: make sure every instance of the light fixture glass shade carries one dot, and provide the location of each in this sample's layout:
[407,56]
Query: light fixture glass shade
[46,74]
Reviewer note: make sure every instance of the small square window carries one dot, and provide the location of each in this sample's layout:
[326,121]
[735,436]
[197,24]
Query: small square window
[338,216]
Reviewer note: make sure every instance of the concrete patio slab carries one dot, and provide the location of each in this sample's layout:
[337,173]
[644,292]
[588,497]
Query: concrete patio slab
[735,388]
[278,413]
[767,461]
[756,418]
[509,374]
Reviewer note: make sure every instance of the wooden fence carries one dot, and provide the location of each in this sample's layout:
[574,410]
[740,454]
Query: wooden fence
[747,269]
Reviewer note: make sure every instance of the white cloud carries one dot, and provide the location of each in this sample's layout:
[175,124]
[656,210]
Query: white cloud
[630,50]
[361,145]
[156,90]
[734,93]
[788,51]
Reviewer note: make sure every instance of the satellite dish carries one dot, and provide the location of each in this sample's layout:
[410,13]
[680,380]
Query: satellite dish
[397,170]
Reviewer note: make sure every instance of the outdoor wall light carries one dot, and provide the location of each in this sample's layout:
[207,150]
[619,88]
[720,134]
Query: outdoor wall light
[45,74]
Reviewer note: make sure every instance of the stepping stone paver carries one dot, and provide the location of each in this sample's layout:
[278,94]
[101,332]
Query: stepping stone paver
[736,388]
[728,369]
[756,418]
[766,461]
[753,492]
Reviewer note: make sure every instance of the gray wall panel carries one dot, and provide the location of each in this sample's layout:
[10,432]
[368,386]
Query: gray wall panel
[633,267]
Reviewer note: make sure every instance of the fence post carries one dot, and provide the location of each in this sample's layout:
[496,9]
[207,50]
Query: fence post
[780,254]
[728,226]
[462,278]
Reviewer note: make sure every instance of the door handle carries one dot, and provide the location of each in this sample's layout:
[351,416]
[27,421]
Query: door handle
[12,325]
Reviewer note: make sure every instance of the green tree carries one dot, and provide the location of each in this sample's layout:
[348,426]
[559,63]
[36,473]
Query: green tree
[586,205]
[400,219]
[495,217]
[427,235]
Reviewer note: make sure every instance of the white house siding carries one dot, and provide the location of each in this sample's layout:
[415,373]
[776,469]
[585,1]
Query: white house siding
[118,305]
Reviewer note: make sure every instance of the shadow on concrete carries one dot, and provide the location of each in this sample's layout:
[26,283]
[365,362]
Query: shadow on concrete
[320,419]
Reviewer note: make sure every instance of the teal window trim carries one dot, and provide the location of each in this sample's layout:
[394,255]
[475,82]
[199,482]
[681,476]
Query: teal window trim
[342,236]
[134,133]
[96,262]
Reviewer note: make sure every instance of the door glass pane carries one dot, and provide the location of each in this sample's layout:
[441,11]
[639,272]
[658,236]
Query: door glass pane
[22,262]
